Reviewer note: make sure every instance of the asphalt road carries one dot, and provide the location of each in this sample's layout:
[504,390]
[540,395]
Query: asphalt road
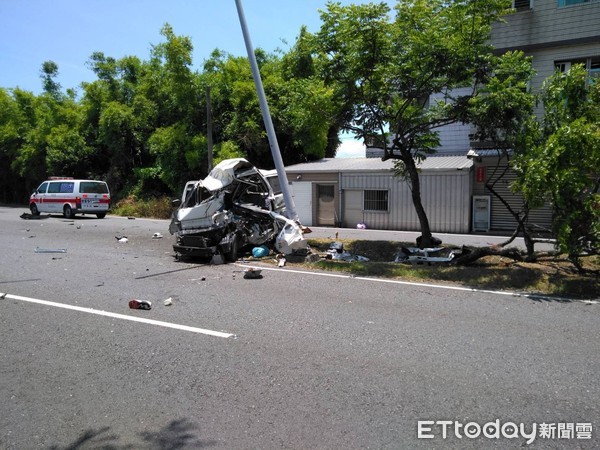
[293,360]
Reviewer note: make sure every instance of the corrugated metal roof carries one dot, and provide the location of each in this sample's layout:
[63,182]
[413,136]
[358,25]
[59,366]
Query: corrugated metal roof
[377,165]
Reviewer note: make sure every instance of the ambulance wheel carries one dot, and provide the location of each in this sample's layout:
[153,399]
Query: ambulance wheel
[34,210]
[68,212]
[101,215]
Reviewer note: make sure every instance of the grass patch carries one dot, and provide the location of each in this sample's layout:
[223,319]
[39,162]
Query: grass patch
[156,208]
[553,276]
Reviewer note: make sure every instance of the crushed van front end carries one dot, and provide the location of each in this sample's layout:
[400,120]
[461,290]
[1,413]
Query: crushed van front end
[230,209]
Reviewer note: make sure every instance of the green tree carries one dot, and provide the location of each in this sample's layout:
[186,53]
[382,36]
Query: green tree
[386,71]
[67,152]
[562,164]
[179,154]
[503,114]
[48,74]
[117,134]
[13,125]
[301,107]
[298,65]
[170,82]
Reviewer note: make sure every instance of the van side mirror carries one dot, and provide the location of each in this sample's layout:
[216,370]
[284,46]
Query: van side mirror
[176,202]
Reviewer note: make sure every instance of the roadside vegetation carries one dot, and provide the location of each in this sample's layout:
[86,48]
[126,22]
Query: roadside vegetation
[154,207]
[551,275]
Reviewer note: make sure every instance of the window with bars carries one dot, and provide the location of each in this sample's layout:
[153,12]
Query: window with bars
[591,64]
[375,200]
[522,5]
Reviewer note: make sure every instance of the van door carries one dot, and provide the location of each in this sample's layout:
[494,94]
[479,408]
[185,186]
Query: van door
[39,196]
[51,198]
[59,193]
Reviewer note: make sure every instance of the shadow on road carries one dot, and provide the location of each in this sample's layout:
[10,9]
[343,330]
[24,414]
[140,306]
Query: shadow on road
[178,434]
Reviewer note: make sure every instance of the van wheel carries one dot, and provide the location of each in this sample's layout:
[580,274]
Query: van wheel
[34,210]
[68,212]
[234,246]
[101,215]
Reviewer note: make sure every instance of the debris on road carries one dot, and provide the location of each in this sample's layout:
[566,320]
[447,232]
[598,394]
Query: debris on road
[168,301]
[260,252]
[252,273]
[29,216]
[157,236]
[336,252]
[50,250]
[140,304]
[122,239]
[436,255]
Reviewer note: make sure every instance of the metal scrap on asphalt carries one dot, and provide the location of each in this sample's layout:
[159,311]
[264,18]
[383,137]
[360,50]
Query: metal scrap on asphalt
[50,250]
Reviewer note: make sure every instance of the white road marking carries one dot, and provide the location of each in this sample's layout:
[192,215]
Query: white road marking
[119,316]
[412,283]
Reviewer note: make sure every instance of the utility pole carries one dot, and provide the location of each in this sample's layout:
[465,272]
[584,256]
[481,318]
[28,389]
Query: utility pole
[264,107]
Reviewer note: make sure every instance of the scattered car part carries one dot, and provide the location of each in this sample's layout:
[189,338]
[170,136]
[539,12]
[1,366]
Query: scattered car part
[415,255]
[140,304]
[50,250]
[252,273]
[336,252]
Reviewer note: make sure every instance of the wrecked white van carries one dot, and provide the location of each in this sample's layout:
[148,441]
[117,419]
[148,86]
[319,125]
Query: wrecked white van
[233,207]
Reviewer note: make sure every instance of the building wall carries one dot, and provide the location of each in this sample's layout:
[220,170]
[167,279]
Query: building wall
[540,219]
[454,138]
[544,59]
[547,25]
[446,197]
[304,192]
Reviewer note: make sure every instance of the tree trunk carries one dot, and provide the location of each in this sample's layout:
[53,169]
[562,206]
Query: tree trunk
[469,257]
[415,187]
[521,222]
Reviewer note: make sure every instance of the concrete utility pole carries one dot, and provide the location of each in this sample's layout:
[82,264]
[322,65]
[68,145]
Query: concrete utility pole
[264,107]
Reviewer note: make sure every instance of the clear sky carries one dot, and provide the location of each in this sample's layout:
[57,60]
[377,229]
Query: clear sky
[69,31]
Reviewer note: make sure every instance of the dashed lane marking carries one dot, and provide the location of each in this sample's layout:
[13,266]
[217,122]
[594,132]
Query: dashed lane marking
[119,316]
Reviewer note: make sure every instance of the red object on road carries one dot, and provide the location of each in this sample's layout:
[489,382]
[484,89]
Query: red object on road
[140,304]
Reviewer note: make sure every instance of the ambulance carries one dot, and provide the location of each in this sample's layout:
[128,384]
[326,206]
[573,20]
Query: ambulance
[68,197]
